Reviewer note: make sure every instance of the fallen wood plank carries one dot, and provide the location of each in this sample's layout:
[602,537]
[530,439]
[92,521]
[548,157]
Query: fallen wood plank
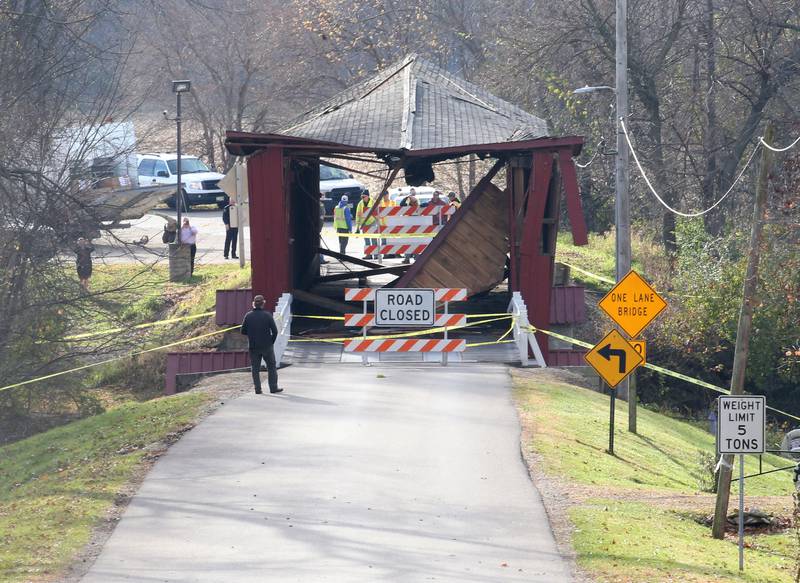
[348,258]
[399,269]
[321,301]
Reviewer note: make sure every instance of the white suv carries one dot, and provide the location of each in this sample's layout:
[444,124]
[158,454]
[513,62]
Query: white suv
[200,184]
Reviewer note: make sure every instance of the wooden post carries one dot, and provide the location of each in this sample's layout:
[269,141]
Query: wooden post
[269,224]
[745,327]
[632,402]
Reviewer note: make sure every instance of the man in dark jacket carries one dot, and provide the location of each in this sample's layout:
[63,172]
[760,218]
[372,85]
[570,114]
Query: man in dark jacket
[260,329]
[231,230]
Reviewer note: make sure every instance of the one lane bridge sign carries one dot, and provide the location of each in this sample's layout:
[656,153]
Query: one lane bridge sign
[740,424]
[405,307]
[613,358]
[632,304]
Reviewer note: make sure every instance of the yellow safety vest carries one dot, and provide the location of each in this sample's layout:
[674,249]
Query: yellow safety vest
[386,202]
[361,212]
[339,220]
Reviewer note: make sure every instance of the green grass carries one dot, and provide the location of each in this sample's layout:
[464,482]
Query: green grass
[598,257]
[153,298]
[56,487]
[629,541]
[621,536]
[135,295]
[662,456]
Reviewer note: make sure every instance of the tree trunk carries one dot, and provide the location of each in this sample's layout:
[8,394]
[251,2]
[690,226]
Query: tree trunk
[742,349]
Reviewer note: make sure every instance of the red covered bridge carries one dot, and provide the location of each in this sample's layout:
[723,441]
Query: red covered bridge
[411,117]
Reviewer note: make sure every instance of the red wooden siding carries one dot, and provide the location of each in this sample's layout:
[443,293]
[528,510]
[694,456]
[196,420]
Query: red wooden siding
[269,224]
[232,305]
[567,305]
[566,357]
[580,236]
[535,267]
[193,362]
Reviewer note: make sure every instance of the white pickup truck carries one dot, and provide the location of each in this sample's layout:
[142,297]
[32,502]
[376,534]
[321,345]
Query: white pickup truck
[200,184]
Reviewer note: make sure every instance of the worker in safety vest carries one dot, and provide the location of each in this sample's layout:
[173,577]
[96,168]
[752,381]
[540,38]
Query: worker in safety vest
[343,222]
[363,221]
[411,201]
[385,202]
[452,199]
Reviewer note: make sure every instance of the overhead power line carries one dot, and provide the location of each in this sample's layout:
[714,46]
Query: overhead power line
[662,201]
[789,147]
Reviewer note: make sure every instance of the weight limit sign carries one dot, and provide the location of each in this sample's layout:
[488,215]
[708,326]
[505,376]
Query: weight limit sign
[740,424]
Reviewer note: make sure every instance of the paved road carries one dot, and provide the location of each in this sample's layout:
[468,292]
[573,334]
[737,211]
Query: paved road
[345,477]
[122,247]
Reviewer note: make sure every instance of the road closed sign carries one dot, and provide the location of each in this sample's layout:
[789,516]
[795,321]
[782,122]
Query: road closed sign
[740,425]
[405,307]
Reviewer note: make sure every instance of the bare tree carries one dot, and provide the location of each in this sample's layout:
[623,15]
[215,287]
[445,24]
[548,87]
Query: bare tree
[703,75]
[243,66]
[62,68]
[351,40]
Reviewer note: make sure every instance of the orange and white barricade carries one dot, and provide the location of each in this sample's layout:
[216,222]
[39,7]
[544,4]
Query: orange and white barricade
[367,319]
[406,220]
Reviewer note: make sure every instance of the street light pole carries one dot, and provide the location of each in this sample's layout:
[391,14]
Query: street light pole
[178,193]
[622,203]
[179,87]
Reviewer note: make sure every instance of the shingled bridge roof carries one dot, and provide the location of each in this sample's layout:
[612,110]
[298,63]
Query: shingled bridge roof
[415,105]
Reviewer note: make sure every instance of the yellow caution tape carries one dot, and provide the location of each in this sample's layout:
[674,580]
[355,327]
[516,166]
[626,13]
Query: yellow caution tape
[404,334]
[124,356]
[386,235]
[503,314]
[659,369]
[86,335]
[612,282]
[602,278]
[474,344]
[509,331]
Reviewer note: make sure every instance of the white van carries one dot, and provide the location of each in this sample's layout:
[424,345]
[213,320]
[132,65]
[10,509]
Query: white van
[200,184]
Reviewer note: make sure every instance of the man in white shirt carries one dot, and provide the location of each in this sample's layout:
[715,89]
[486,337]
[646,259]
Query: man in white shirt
[189,237]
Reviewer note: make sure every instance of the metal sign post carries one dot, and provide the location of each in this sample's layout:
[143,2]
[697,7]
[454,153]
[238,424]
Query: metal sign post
[741,425]
[741,512]
[632,304]
[614,358]
[611,421]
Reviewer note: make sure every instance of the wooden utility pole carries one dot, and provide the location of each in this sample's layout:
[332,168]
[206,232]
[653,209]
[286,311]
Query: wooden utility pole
[622,205]
[745,326]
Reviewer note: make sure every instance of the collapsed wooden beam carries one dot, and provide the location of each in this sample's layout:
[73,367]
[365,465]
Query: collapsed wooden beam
[414,276]
[302,295]
[348,258]
[398,269]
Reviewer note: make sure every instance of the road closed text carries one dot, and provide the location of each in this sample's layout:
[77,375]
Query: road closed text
[415,307]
